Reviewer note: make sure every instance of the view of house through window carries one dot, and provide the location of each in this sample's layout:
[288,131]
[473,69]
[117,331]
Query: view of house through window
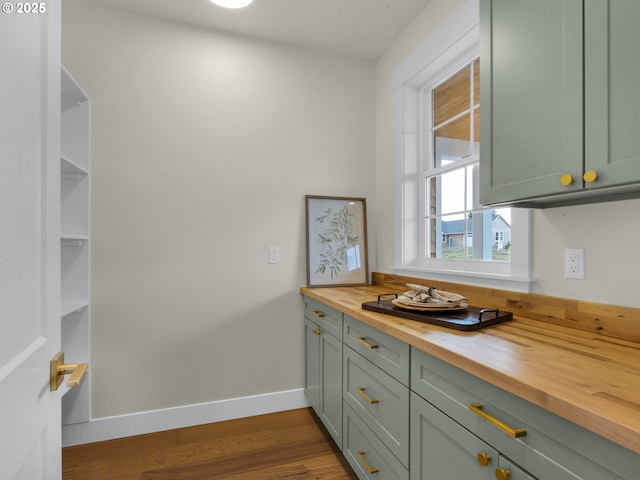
[457,227]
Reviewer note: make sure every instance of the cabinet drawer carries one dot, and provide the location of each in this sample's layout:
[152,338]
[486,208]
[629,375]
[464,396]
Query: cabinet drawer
[388,353]
[552,448]
[327,318]
[366,454]
[380,400]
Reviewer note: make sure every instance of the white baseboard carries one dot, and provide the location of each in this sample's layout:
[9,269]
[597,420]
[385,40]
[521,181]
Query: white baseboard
[109,428]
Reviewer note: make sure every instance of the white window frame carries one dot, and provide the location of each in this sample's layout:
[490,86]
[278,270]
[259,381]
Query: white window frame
[451,47]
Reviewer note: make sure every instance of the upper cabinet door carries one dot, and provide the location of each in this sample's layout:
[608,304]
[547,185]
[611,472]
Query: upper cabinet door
[612,92]
[531,98]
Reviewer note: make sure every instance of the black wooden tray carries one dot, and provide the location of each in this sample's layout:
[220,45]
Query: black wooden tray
[471,318]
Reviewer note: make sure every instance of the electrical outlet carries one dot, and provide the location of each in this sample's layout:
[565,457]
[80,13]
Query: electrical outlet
[574,263]
[274,255]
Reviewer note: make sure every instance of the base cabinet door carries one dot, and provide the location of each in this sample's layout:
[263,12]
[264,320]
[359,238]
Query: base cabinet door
[312,364]
[331,392]
[323,377]
[441,448]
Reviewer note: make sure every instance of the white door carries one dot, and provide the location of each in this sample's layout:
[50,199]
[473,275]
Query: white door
[30,438]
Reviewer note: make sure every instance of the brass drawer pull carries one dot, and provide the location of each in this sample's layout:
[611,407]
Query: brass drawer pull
[317,331]
[369,468]
[512,432]
[318,314]
[366,344]
[371,401]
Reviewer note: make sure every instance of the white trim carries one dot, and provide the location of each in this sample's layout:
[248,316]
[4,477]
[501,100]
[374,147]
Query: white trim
[110,428]
[501,282]
[453,45]
[461,29]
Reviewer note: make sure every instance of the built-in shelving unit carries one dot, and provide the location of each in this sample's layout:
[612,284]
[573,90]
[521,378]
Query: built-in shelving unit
[75,242]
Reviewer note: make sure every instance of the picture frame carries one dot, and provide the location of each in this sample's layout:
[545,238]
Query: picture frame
[336,241]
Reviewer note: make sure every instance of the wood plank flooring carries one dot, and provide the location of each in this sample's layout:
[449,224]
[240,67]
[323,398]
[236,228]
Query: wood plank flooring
[290,445]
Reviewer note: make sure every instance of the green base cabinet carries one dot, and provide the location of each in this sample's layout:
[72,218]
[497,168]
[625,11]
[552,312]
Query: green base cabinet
[559,89]
[531,441]
[398,413]
[323,366]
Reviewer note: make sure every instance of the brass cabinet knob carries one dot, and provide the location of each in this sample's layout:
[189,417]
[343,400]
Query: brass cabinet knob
[484,459]
[590,176]
[502,474]
[566,179]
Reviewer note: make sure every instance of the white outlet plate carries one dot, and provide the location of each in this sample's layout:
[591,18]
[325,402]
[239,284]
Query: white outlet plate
[574,263]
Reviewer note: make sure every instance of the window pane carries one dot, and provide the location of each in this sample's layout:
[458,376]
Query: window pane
[501,233]
[452,97]
[447,237]
[451,141]
[446,193]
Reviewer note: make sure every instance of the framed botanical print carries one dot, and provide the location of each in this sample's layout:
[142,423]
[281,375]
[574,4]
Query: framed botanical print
[336,241]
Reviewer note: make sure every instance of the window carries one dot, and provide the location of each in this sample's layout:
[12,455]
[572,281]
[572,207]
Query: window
[442,229]
[452,206]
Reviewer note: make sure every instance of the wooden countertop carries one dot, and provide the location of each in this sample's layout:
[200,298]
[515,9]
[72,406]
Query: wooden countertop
[588,378]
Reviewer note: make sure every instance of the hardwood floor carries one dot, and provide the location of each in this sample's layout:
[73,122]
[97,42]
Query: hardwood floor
[289,445]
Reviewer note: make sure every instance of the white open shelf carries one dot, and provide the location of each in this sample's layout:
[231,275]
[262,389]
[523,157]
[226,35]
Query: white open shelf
[75,244]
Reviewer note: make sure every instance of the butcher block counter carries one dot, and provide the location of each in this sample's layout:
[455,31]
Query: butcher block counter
[579,360]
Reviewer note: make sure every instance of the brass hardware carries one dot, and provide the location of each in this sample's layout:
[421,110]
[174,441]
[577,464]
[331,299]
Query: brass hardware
[366,344]
[369,468]
[371,401]
[58,369]
[502,474]
[317,331]
[566,179]
[512,432]
[590,176]
[484,458]
[318,314]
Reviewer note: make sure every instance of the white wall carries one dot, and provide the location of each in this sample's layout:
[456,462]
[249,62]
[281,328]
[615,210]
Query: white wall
[606,231]
[203,147]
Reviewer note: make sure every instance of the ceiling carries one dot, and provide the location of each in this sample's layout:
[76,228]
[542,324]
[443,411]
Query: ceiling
[363,28]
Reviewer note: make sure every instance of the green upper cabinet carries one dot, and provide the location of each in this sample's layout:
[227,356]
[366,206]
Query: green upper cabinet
[612,91]
[559,101]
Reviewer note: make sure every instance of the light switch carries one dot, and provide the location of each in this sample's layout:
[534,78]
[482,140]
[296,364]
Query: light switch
[274,255]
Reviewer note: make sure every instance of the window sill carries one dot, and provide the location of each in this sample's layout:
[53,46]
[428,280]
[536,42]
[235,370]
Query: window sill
[502,282]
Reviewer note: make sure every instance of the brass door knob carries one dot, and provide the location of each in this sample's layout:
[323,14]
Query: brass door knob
[502,474]
[484,459]
[566,179]
[58,369]
[590,176]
